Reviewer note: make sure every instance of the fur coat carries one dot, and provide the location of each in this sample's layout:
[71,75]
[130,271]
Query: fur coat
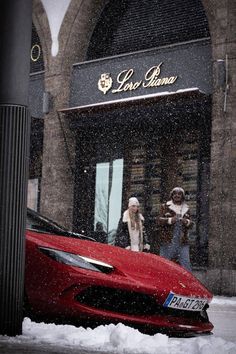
[123,236]
[167,211]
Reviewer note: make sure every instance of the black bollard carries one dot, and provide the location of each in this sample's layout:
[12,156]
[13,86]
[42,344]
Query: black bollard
[15,41]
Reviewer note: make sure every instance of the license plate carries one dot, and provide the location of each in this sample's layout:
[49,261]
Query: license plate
[179,302]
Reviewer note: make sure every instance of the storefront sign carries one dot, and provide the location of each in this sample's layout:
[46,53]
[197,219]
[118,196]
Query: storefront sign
[152,78]
[149,73]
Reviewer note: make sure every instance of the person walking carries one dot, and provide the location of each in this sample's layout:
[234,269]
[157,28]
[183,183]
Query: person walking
[174,222]
[99,234]
[131,233]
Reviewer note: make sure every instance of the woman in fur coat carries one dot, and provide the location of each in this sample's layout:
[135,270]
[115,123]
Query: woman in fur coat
[131,234]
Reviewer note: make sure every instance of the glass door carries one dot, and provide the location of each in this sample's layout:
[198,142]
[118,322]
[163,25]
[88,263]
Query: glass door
[99,185]
[108,197]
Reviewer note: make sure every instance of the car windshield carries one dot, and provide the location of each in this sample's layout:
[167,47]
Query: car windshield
[40,223]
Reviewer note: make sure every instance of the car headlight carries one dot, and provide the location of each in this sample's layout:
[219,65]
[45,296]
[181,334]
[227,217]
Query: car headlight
[77,260]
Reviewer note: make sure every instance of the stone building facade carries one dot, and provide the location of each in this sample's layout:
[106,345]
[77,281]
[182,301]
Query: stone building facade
[65,138]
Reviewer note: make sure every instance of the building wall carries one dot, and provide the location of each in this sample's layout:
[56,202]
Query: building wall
[58,178]
[221,275]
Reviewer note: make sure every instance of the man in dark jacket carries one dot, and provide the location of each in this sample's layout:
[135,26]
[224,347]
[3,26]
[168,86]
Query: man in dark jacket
[174,221]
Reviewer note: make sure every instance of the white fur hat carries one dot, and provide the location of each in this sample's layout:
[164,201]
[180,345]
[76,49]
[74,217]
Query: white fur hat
[133,201]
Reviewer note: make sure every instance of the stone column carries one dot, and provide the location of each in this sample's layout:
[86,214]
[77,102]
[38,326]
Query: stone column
[222,241]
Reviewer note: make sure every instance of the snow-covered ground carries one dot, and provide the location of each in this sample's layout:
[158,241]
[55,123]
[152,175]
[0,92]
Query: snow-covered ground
[122,339]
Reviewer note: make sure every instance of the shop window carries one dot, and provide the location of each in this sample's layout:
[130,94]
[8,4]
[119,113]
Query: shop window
[137,172]
[33,194]
[35,162]
[151,160]
[188,178]
[108,196]
[155,169]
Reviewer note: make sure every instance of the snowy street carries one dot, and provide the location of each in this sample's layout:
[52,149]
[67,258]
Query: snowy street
[223,316]
[39,338]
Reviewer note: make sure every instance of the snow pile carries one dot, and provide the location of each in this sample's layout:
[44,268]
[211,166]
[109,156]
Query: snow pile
[121,339]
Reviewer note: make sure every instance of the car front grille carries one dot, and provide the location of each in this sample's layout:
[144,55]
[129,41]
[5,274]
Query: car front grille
[132,303]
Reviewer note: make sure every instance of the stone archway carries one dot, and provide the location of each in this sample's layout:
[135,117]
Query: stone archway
[57,185]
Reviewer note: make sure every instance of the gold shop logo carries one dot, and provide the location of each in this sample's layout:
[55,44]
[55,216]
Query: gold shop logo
[105,83]
[152,78]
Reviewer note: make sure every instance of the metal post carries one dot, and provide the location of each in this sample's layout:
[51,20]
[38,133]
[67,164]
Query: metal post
[15,41]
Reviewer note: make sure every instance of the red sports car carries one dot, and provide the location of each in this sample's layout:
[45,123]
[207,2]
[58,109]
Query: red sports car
[73,278]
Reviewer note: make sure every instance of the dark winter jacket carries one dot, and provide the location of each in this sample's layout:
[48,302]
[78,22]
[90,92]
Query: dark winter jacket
[100,236]
[123,237]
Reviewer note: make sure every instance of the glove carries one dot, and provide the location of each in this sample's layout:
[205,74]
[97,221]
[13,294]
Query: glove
[146,247]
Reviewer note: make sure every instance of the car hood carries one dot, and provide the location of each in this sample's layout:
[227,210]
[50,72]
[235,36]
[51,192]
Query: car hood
[146,271]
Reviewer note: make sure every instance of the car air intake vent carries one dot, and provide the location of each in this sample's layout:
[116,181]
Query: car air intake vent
[131,303]
[118,300]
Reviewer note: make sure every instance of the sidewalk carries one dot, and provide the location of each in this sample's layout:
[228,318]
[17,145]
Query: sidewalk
[24,348]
